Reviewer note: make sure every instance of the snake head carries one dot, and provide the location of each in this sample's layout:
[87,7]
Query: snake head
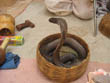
[62,23]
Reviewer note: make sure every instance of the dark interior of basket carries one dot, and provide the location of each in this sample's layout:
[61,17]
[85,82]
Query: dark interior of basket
[5,32]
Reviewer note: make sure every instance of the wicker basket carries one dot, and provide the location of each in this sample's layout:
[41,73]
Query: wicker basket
[7,22]
[61,74]
[104,26]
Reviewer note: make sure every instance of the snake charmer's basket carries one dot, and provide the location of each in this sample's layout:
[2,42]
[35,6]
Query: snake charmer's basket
[104,26]
[7,25]
[61,74]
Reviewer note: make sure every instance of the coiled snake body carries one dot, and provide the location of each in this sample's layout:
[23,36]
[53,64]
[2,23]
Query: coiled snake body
[52,49]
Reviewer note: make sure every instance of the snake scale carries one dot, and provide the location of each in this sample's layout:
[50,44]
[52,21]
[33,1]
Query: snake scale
[51,51]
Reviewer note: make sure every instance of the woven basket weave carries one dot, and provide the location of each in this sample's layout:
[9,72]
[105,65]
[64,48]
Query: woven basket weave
[61,74]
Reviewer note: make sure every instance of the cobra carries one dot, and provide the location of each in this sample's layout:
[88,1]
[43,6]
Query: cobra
[52,49]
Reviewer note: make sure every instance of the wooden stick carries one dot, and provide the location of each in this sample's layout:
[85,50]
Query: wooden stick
[5,43]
